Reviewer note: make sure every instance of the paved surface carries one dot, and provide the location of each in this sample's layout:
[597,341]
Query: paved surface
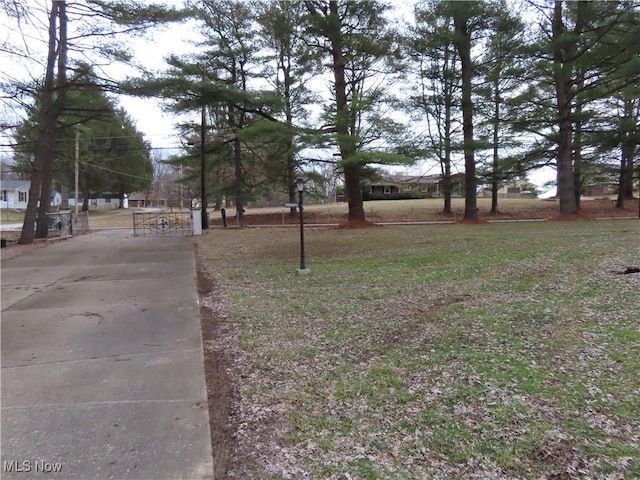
[102,362]
[10,227]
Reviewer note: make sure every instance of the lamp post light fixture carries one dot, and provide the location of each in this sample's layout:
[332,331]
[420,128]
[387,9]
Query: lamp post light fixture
[303,270]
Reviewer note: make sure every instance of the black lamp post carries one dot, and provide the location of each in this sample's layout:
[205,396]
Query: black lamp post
[203,169]
[300,187]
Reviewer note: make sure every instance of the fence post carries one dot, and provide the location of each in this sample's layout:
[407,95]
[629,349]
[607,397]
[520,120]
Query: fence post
[196,221]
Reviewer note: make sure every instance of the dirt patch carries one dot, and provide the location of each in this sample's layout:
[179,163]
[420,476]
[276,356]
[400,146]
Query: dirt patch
[409,331]
[472,221]
[563,460]
[357,224]
[221,391]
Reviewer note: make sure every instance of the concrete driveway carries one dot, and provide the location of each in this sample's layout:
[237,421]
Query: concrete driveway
[102,362]
[10,227]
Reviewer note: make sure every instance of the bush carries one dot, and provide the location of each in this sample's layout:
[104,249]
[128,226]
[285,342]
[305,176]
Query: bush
[366,196]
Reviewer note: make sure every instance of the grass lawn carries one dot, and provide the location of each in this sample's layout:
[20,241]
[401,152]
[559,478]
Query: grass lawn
[118,218]
[485,351]
[378,211]
[11,216]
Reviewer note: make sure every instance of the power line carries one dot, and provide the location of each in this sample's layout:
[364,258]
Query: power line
[117,172]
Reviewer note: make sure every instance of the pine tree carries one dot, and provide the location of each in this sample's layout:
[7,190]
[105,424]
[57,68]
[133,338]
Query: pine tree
[501,72]
[113,154]
[579,45]
[291,65]
[102,24]
[437,101]
[356,39]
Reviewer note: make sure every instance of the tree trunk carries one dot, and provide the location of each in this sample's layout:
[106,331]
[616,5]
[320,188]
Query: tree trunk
[60,88]
[446,178]
[623,178]
[203,167]
[463,43]
[237,123]
[64,197]
[447,187]
[565,167]
[627,147]
[495,186]
[577,138]
[562,80]
[346,142]
[239,181]
[42,225]
[354,192]
[45,142]
[495,174]
[31,214]
[85,201]
[627,185]
[577,157]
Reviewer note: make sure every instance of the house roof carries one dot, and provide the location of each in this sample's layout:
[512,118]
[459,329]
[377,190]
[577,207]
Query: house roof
[153,196]
[95,195]
[13,184]
[408,180]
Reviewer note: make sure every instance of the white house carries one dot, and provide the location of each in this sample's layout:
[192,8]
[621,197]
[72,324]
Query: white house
[102,201]
[14,194]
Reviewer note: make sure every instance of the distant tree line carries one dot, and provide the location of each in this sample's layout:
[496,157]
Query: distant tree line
[69,101]
[94,136]
[463,79]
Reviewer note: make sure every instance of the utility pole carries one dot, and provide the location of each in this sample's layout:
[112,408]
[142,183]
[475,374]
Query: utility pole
[181,188]
[77,176]
[203,195]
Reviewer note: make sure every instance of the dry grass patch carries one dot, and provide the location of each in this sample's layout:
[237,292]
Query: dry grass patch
[494,351]
[11,216]
[430,210]
[116,218]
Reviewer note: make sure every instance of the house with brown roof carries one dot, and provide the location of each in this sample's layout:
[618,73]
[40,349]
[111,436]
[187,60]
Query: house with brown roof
[412,186]
[517,188]
[148,200]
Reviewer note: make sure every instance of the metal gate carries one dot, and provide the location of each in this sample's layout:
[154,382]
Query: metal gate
[60,224]
[162,223]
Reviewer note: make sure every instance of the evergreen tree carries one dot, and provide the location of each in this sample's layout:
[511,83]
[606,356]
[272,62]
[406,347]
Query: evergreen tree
[99,22]
[291,64]
[360,46]
[469,18]
[579,61]
[436,103]
[501,71]
[113,155]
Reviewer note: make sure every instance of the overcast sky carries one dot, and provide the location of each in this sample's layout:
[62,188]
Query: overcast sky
[158,126]
[30,36]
